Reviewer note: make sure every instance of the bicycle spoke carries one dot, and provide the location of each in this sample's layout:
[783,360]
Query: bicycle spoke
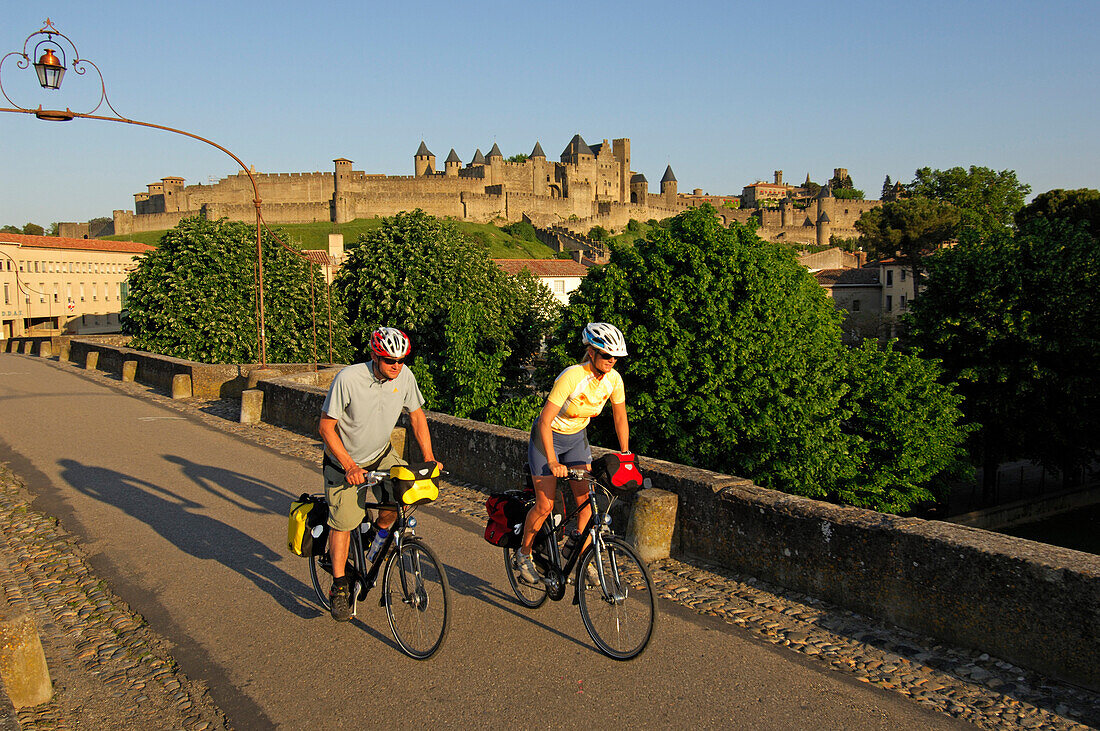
[416,600]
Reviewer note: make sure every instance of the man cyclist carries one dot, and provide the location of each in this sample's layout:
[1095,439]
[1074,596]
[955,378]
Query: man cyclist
[361,409]
[558,437]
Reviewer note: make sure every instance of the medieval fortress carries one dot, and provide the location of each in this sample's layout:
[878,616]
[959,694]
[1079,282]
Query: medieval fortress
[589,186]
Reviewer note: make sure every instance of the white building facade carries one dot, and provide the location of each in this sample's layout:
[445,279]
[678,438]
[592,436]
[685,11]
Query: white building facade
[53,285]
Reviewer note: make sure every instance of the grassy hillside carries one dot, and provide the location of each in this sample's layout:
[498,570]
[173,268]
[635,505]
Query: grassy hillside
[315,236]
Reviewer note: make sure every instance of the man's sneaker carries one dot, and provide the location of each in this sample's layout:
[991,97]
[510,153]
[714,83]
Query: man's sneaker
[526,568]
[339,596]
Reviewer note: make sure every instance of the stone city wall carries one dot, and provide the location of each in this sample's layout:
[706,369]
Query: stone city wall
[274,213]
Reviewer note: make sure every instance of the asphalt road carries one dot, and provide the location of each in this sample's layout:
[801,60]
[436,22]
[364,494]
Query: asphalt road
[188,525]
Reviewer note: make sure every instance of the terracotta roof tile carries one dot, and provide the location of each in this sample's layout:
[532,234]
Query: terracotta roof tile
[851,277]
[58,242]
[543,267]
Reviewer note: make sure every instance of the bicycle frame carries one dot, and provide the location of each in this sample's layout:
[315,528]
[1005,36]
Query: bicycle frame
[590,533]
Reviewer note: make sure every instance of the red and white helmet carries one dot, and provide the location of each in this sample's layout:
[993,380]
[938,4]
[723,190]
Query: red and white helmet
[606,337]
[390,342]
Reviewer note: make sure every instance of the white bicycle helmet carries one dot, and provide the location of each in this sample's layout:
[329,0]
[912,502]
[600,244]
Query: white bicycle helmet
[390,342]
[606,337]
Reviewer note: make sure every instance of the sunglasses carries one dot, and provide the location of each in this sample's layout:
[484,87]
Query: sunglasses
[606,356]
[391,361]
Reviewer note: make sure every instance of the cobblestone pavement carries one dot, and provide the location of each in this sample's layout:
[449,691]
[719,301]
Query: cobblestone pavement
[107,664]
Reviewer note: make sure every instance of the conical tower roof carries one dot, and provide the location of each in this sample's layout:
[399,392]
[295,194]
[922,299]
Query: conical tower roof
[826,191]
[495,152]
[576,146]
[479,159]
[537,152]
[638,178]
[669,176]
[423,150]
[453,157]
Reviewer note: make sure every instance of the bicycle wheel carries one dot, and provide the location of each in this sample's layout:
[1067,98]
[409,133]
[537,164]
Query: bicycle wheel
[529,595]
[620,621]
[417,599]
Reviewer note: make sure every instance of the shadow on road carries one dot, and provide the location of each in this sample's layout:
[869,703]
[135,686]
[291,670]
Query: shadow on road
[477,588]
[257,496]
[180,521]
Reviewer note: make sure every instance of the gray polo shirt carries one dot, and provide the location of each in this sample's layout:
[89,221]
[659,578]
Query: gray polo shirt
[366,409]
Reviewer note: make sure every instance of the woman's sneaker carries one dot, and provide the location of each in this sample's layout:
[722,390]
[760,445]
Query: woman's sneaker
[526,568]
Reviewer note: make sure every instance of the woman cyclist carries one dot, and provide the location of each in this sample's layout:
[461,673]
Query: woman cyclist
[558,438]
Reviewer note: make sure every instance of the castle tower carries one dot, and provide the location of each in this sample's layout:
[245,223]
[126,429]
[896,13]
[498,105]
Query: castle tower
[779,177]
[495,159]
[621,148]
[579,179]
[639,189]
[824,229]
[825,201]
[540,183]
[786,210]
[452,164]
[668,187]
[424,161]
[341,206]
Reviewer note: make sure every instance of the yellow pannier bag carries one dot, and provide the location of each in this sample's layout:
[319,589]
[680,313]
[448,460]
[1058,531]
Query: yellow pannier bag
[415,484]
[306,526]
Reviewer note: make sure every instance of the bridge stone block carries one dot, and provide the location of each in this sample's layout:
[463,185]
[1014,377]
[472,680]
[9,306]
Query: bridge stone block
[129,371]
[252,403]
[22,661]
[45,349]
[652,523]
[63,351]
[91,360]
[181,386]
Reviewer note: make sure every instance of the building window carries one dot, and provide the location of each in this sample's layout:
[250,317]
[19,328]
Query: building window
[41,292]
[855,305]
[902,275]
[889,303]
[889,277]
[7,295]
[559,286]
[901,303]
[36,266]
[56,292]
[93,292]
[82,293]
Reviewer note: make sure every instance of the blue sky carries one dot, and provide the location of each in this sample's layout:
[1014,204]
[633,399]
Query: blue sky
[724,92]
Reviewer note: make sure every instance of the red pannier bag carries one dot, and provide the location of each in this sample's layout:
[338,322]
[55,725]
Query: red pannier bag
[507,513]
[618,472]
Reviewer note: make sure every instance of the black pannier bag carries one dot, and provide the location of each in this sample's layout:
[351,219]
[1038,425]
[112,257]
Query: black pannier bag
[618,472]
[507,513]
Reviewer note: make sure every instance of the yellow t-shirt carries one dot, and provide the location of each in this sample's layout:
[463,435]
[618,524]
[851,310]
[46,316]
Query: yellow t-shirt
[580,396]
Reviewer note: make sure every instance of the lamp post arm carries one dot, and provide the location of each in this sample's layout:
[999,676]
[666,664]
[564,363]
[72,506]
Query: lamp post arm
[69,114]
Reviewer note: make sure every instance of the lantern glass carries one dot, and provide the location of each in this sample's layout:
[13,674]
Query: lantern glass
[50,71]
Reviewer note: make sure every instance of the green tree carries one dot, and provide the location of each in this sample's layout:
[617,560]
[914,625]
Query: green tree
[193,297]
[33,229]
[851,194]
[737,365]
[909,229]
[902,426]
[841,181]
[598,233]
[9,229]
[987,199]
[1015,321]
[470,324]
[887,189]
[1081,206]
[517,158]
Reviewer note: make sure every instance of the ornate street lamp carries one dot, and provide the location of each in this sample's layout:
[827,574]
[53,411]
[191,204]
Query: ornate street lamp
[51,71]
